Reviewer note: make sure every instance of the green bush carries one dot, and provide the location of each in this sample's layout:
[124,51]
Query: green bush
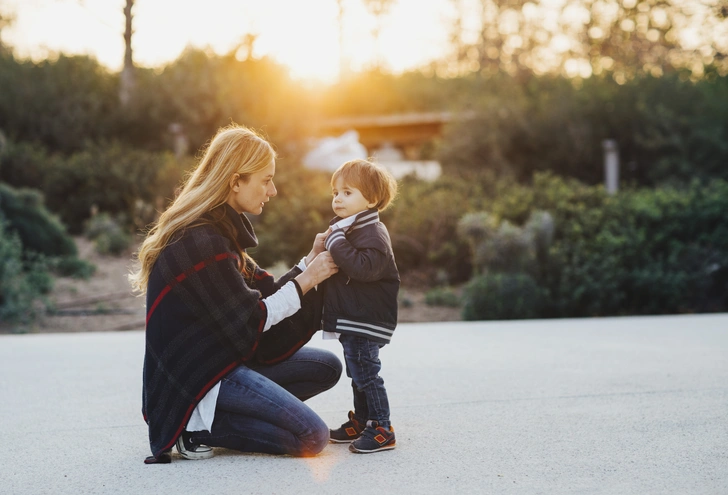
[642,251]
[25,165]
[108,178]
[667,129]
[108,234]
[442,296]
[21,285]
[38,230]
[423,225]
[70,266]
[502,296]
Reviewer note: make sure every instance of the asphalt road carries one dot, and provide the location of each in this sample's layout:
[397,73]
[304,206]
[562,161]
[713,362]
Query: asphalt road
[590,406]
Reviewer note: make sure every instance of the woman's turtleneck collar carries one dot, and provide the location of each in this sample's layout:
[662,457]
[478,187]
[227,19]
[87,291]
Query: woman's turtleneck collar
[246,235]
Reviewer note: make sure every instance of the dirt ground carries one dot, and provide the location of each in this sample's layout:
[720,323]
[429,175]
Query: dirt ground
[105,302]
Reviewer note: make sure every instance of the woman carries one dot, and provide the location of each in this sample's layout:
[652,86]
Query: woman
[223,364]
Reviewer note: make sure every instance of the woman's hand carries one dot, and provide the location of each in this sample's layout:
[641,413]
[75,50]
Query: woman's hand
[318,246]
[321,268]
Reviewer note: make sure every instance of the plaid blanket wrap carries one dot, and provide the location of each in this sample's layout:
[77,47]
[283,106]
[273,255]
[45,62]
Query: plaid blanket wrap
[203,320]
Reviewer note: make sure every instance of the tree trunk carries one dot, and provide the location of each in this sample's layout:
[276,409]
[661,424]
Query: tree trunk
[128,80]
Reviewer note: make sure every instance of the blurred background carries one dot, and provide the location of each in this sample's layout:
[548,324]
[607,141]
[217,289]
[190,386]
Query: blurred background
[556,158]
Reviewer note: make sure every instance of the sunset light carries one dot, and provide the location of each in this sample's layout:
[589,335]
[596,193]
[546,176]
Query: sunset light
[304,36]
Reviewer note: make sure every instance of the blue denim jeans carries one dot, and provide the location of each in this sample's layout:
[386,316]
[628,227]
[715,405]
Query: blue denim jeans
[361,356]
[260,408]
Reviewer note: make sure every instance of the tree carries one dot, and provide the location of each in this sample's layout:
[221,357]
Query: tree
[128,80]
[379,9]
[6,20]
[578,38]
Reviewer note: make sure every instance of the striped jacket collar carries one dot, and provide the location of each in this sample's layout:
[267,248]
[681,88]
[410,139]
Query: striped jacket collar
[361,219]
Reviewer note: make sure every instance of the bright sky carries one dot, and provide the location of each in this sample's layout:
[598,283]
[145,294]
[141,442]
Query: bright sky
[302,34]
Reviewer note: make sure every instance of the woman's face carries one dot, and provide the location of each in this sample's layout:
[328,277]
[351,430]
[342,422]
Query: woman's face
[249,197]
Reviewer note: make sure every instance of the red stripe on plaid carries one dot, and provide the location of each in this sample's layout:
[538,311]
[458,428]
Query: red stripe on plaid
[219,376]
[179,278]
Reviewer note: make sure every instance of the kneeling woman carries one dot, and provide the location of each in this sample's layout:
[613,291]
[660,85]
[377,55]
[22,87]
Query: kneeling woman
[224,363]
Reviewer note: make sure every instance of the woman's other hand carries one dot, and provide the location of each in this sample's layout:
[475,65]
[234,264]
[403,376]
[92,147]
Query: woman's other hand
[321,268]
[318,246]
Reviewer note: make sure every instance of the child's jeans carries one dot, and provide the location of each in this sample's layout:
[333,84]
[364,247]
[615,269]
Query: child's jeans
[361,356]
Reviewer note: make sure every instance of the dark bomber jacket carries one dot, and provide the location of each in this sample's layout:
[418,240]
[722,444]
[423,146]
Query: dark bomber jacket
[361,298]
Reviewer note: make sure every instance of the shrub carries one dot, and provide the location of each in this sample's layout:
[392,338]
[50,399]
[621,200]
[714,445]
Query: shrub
[37,228]
[21,287]
[24,164]
[108,178]
[70,266]
[442,296]
[501,297]
[108,235]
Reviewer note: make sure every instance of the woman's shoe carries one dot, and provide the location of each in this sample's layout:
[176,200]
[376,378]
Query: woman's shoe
[190,450]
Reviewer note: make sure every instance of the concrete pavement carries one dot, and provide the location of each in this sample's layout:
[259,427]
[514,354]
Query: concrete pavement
[587,406]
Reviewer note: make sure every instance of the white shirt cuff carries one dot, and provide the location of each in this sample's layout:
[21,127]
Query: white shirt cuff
[281,305]
[302,264]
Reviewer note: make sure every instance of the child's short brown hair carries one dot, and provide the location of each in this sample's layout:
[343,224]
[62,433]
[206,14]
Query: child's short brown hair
[376,183]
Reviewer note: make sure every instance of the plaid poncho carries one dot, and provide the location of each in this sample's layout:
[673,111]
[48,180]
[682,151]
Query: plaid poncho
[203,320]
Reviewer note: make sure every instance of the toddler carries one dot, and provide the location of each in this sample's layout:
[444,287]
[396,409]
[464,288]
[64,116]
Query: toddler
[360,301]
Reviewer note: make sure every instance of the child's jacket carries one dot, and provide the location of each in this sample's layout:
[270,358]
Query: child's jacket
[361,298]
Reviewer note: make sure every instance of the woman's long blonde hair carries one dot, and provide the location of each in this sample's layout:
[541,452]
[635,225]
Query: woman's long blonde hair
[233,150]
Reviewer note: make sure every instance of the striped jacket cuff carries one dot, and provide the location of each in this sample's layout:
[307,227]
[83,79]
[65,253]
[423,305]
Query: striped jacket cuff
[333,238]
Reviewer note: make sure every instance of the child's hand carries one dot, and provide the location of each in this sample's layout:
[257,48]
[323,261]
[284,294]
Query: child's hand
[318,246]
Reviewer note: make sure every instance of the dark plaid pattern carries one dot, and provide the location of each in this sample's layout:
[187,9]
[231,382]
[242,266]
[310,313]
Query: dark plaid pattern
[204,319]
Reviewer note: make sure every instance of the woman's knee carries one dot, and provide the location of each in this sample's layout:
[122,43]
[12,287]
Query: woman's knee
[336,368]
[318,440]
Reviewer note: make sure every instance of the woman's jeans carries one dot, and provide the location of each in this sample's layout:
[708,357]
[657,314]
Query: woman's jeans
[362,366]
[260,408]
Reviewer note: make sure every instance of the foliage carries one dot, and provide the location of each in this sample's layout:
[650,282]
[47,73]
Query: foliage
[38,230]
[628,36]
[442,296]
[502,296]
[423,222]
[642,251]
[667,129]
[61,103]
[107,178]
[70,266]
[21,284]
[108,234]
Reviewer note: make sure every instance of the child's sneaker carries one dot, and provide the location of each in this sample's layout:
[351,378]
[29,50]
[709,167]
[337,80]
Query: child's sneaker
[351,430]
[190,450]
[373,439]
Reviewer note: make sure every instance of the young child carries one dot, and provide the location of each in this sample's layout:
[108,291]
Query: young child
[360,301]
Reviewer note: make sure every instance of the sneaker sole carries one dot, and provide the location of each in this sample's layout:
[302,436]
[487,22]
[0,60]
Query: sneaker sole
[197,456]
[380,449]
[333,440]
[194,456]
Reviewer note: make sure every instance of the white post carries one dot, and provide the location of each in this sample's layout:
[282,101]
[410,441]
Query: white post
[611,165]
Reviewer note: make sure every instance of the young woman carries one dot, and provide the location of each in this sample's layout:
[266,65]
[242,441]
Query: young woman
[224,364]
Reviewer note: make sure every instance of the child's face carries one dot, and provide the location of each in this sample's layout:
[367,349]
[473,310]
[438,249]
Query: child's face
[348,200]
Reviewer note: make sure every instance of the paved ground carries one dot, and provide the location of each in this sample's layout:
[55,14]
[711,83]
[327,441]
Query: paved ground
[592,406]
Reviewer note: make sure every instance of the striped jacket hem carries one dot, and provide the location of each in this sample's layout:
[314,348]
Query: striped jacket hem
[367,330]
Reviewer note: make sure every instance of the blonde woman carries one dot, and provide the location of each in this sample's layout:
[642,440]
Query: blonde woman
[224,363]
